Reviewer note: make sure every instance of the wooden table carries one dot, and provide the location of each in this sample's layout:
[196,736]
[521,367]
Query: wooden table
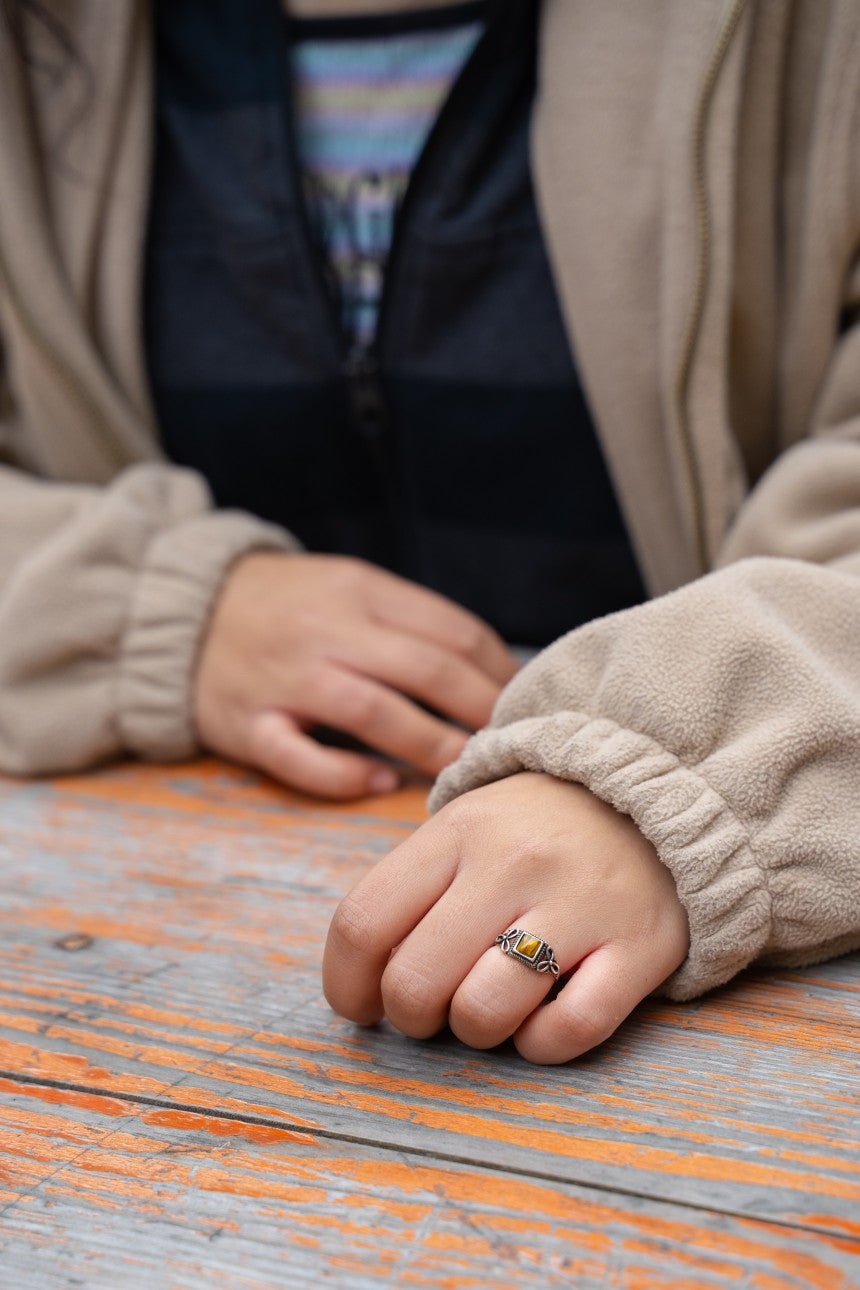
[179,1108]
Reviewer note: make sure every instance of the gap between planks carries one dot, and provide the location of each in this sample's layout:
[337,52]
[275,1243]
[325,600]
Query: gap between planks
[441,1157]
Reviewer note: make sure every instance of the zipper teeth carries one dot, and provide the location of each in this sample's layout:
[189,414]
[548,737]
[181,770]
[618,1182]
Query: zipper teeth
[728,26]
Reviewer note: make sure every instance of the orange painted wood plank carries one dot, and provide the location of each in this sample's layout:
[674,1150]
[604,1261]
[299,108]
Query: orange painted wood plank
[206,893]
[112,1195]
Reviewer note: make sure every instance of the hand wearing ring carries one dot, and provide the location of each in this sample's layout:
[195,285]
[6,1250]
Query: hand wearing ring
[521,865]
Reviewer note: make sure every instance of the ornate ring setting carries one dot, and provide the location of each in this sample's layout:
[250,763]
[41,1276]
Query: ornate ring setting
[529,949]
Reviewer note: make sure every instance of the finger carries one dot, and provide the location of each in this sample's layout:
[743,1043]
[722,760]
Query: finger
[409,608]
[603,990]
[382,718]
[501,991]
[438,677]
[276,746]
[378,914]
[426,971]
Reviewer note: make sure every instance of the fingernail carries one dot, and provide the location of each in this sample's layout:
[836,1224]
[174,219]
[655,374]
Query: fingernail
[383,780]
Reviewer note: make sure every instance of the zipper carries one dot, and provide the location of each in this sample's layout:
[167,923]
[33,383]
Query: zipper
[360,364]
[728,26]
[368,409]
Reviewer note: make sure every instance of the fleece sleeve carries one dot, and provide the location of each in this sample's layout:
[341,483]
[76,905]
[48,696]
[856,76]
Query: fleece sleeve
[724,718]
[104,595]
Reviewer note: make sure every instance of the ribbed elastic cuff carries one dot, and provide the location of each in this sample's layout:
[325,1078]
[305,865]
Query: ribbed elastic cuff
[176,590]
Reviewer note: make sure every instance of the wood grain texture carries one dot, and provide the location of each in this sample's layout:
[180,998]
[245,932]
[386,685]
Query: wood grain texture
[206,894]
[110,1195]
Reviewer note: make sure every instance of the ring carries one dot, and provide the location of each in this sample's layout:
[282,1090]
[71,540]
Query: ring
[529,949]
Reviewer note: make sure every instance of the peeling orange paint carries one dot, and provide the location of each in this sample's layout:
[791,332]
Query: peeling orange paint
[190,1122]
[359,1206]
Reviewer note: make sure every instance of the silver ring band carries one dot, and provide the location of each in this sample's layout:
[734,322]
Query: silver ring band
[529,949]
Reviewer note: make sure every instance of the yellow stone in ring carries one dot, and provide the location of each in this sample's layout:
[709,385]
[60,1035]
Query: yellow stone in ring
[528,945]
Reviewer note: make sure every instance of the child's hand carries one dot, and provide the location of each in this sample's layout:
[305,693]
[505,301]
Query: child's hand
[415,939]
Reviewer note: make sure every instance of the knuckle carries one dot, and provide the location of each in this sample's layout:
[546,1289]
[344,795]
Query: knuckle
[408,993]
[464,823]
[585,1025]
[479,1019]
[353,927]
[469,637]
[305,690]
[350,573]
[360,707]
[465,816]
[355,705]
[264,741]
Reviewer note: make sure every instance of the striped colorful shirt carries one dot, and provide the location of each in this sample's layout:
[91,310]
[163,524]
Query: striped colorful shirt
[366,98]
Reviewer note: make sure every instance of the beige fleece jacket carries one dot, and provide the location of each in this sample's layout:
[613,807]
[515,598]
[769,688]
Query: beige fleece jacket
[696,169]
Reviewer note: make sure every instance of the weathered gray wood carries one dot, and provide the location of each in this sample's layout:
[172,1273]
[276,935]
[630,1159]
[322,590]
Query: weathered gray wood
[113,1196]
[207,896]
